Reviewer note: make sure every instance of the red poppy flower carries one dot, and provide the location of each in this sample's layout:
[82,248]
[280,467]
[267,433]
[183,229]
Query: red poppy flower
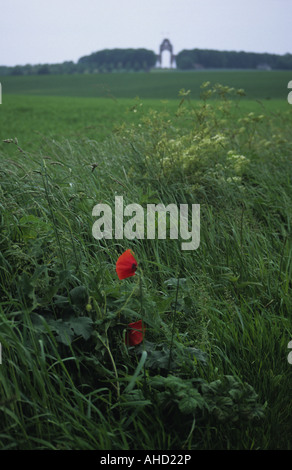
[135,333]
[126,265]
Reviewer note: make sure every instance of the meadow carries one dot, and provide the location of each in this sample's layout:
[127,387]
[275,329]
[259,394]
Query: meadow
[211,369]
[155,85]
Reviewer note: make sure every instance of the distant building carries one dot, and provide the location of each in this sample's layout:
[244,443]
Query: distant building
[166,46]
[198,67]
[264,67]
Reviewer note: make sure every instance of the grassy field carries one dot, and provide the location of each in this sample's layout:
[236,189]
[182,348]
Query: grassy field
[35,108]
[157,85]
[212,369]
[34,120]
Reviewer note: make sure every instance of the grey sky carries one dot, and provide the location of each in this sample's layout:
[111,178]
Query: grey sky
[51,31]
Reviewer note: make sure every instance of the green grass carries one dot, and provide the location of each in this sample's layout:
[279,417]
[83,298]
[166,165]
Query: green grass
[34,120]
[158,85]
[75,106]
[216,374]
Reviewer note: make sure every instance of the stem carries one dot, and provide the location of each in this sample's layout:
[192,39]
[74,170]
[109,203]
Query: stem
[106,345]
[144,353]
[46,187]
[281,261]
[173,324]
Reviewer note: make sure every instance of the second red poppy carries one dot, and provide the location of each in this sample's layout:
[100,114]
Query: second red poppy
[135,333]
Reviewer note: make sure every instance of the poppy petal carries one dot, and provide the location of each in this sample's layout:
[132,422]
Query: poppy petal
[126,265]
[135,333]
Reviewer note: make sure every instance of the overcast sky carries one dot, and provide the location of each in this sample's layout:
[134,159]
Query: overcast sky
[53,31]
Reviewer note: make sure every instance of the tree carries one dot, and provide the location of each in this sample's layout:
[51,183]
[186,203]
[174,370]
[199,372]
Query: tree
[120,59]
[187,59]
[44,70]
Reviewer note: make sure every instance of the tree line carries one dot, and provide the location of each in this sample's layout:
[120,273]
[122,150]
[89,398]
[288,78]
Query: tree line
[135,60]
[206,58]
[107,60]
[110,60]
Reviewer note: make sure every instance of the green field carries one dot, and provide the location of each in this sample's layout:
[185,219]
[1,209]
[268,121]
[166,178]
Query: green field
[91,106]
[212,371]
[157,85]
